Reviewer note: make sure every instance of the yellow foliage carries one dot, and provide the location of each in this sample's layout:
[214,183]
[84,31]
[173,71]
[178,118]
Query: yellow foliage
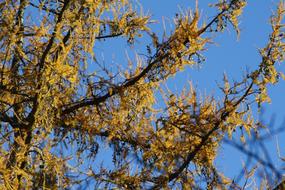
[61,105]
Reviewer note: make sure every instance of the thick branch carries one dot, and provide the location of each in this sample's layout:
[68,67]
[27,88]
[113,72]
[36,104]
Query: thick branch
[30,117]
[224,115]
[157,58]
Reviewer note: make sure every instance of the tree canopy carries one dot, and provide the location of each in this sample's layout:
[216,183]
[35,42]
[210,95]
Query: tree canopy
[60,106]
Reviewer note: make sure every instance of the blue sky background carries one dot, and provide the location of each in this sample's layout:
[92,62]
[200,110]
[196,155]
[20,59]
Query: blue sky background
[227,55]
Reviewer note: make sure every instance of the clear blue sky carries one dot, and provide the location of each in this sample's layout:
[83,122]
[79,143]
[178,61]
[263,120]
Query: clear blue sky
[229,54]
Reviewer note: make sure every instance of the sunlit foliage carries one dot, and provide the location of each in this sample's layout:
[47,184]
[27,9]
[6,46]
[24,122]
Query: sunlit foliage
[52,102]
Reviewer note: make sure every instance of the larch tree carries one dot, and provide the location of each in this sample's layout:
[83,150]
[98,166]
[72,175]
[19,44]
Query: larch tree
[57,113]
